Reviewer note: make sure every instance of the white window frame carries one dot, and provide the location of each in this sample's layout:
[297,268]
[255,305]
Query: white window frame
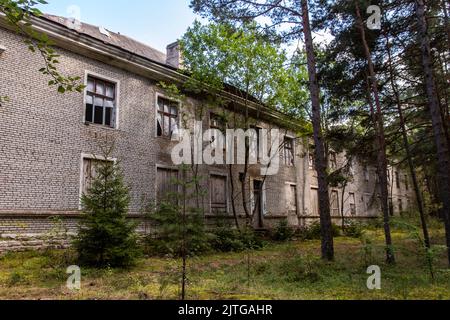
[297,199]
[88,73]
[294,149]
[265,212]
[163,96]
[89,156]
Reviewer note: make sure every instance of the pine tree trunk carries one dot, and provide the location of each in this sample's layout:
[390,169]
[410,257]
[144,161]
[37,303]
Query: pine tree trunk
[436,118]
[419,200]
[321,166]
[382,159]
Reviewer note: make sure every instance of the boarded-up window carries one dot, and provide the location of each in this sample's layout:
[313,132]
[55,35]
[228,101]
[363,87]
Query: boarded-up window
[292,199]
[334,205]
[315,202]
[352,201]
[90,168]
[100,102]
[167,185]
[218,193]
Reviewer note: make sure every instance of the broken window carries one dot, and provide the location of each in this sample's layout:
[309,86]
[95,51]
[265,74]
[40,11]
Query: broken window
[218,194]
[397,180]
[167,117]
[100,102]
[406,182]
[288,154]
[167,184]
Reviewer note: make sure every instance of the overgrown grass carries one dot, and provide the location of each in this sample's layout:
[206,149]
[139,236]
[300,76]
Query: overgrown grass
[290,270]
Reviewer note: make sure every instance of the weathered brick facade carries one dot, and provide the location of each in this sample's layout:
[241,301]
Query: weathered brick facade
[43,139]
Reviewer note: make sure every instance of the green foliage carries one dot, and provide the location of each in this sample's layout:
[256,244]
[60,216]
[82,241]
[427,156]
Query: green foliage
[218,54]
[283,231]
[225,238]
[106,237]
[3,99]
[353,229]
[18,14]
[301,269]
[173,232]
[313,231]
[179,223]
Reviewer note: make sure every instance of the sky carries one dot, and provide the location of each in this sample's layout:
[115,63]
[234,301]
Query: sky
[154,22]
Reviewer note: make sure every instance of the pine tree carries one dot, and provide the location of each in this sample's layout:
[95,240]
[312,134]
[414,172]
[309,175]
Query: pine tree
[106,237]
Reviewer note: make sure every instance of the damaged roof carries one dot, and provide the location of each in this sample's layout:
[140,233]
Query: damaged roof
[112,38]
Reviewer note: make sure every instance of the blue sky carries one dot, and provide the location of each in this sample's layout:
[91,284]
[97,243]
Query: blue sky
[154,22]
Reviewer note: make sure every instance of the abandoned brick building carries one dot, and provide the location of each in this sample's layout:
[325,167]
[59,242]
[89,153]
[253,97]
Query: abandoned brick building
[48,149]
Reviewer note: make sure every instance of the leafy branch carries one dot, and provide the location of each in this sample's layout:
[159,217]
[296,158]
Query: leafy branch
[18,14]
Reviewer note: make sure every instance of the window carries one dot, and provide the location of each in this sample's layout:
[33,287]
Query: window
[100,102]
[406,182]
[166,184]
[218,193]
[397,179]
[366,173]
[352,200]
[333,161]
[312,160]
[334,206]
[256,149]
[90,169]
[391,207]
[217,122]
[400,206]
[292,202]
[315,201]
[288,154]
[167,117]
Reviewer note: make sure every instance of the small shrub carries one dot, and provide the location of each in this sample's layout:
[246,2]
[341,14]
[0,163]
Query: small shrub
[283,232]
[173,231]
[106,237]
[313,232]
[353,229]
[251,239]
[16,278]
[300,269]
[226,240]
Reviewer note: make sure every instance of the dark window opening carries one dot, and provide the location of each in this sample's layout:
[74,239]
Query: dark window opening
[100,102]
[288,154]
[167,118]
